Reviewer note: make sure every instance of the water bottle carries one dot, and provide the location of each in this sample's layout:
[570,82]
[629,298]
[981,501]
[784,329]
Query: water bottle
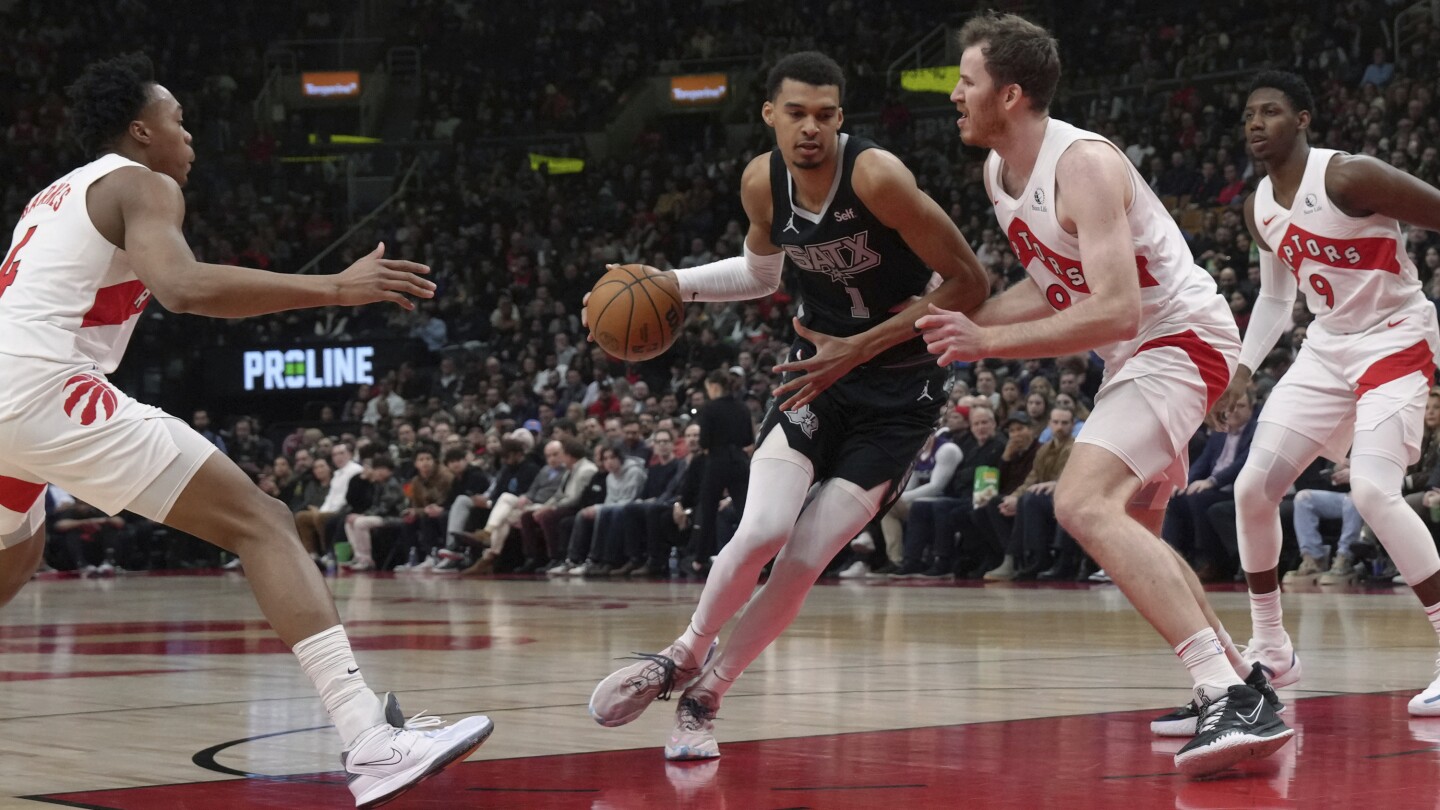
[674,562]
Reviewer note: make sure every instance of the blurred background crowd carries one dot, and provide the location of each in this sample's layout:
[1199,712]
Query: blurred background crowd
[493,438]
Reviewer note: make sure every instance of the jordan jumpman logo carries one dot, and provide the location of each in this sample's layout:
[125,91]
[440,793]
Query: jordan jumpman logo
[790,226]
[925,393]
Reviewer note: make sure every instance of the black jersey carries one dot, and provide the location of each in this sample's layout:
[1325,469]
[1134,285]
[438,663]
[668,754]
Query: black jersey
[847,270]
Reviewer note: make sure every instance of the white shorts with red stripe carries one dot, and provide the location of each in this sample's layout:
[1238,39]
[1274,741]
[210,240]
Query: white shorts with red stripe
[1147,411]
[69,426]
[1343,383]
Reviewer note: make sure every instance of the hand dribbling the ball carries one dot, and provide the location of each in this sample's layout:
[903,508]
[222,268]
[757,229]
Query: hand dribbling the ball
[633,335]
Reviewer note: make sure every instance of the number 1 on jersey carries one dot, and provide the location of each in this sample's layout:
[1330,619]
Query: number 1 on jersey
[11,268]
[857,304]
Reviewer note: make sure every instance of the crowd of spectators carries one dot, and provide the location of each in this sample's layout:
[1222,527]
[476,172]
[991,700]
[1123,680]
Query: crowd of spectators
[507,396]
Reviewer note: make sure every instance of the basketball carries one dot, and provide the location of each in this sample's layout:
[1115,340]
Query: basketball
[635,314]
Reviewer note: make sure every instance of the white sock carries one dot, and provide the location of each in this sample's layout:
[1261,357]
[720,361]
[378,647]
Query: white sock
[716,684]
[1432,612]
[696,643]
[1232,653]
[1266,618]
[353,708]
[1204,656]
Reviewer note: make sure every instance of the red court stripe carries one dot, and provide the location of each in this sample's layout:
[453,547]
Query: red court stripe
[17,495]
[1207,359]
[1407,361]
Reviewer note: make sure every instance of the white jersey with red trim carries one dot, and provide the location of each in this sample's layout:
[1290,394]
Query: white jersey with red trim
[1175,294]
[66,293]
[1354,271]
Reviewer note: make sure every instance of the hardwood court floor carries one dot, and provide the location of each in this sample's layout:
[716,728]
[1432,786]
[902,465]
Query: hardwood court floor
[170,692]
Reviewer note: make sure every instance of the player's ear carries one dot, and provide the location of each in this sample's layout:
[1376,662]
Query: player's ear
[1012,95]
[839,117]
[139,131]
[1304,119]
[767,113]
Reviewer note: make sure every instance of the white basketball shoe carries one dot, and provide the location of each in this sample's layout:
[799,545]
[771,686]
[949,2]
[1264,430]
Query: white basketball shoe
[397,755]
[1427,703]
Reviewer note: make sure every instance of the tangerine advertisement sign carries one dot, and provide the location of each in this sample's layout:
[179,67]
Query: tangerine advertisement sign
[699,89]
[330,84]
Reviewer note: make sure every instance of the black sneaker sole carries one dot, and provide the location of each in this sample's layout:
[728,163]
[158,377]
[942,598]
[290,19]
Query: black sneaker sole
[436,767]
[1230,751]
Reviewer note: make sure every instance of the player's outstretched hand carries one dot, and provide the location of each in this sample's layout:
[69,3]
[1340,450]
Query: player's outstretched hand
[374,278]
[1219,416]
[834,358]
[951,335]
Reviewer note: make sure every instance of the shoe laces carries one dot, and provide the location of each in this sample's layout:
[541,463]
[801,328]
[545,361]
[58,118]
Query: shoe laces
[421,720]
[694,715]
[661,673]
[1210,712]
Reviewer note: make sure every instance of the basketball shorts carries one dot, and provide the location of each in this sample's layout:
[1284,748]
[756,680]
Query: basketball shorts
[1343,383]
[1148,411]
[67,425]
[868,427]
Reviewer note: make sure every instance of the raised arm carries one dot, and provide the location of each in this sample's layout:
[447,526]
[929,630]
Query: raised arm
[152,209]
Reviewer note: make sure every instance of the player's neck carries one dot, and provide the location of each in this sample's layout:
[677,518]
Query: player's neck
[1020,148]
[1287,172]
[127,153]
[812,186]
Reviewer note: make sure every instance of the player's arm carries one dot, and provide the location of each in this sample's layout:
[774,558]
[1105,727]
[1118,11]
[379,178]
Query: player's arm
[1362,186]
[152,209]
[1269,318]
[889,191]
[756,274]
[1099,178]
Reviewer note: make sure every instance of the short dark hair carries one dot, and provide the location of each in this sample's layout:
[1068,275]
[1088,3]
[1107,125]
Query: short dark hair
[572,447]
[1016,51]
[508,446]
[809,67]
[456,454]
[382,460]
[1296,91]
[107,97]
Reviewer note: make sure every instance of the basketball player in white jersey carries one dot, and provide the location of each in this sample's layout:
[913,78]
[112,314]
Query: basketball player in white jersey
[862,247]
[87,255]
[1114,275]
[1328,224]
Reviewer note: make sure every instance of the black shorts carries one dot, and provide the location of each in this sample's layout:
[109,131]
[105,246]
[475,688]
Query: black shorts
[869,426]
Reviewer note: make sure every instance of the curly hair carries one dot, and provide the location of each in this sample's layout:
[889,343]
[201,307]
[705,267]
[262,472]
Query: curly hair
[107,97]
[1296,91]
[807,67]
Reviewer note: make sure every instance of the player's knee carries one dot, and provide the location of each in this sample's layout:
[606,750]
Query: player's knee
[266,520]
[759,541]
[1083,513]
[1371,499]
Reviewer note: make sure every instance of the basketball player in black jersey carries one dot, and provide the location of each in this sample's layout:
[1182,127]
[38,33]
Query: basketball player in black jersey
[864,251]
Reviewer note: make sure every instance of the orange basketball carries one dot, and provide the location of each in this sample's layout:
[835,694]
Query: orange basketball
[634,313]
